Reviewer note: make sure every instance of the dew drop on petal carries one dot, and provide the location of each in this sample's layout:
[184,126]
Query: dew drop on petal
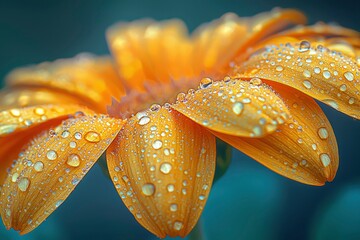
[78,135]
[165,168]
[65,134]
[307,84]
[15,112]
[173,207]
[51,155]
[73,160]
[238,108]
[325,159]
[23,184]
[323,133]
[92,137]
[157,144]
[304,46]
[39,111]
[331,103]
[178,225]
[349,76]
[144,120]
[170,188]
[39,166]
[205,83]
[148,189]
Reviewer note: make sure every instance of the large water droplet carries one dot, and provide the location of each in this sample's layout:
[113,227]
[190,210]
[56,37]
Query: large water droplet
[165,168]
[92,136]
[157,144]
[51,155]
[73,160]
[304,46]
[238,108]
[15,112]
[23,184]
[144,120]
[205,83]
[325,159]
[148,189]
[323,133]
[170,188]
[349,76]
[39,166]
[307,84]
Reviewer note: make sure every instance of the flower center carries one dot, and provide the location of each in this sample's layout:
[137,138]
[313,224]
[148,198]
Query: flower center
[156,94]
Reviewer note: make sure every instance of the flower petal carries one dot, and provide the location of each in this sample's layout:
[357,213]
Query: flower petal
[22,118]
[13,144]
[327,76]
[162,164]
[216,44]
[235,107]
[303,149]
[25,97]
[149,52]
[92,80]
[51,167]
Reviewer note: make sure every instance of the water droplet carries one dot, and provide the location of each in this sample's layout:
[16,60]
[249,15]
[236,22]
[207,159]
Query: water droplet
[23,184]
[178,225]
[317,70]
[307,73]
[14,177]
[39,166]
[256,81]
[78,135]
[246,100]
[307,84]
[325,159]
[39,111]
[351,100]
[58,203]
[304,46]
[65,134]
[75,181]
[15,112]
[170,188]
[323,133]
[148,189]
[349,76]
[343,88]
[72,144]
[155,107]
[144,120]
[165,168]
[73,160]
[205,83]
[331,103]
[181,97]
[92,137]
[279,68]
[173,207]
[202,197]
[51,155]
[157,144]
[326,74]
[238,108]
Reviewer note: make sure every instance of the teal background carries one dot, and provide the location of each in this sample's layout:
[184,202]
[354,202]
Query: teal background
[249,202]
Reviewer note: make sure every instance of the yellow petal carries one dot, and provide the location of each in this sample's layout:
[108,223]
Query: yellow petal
[327,76]
[13,144]
[92,80]
[15,119]
[25,97]
[149,52]
[303,149]
[216,44]
[51,167]
[162,164]
[235,107]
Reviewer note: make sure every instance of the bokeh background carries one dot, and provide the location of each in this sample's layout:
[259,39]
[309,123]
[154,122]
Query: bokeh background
[249,202]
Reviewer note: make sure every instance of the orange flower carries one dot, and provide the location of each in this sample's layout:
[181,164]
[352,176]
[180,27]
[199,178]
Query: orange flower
[256,93]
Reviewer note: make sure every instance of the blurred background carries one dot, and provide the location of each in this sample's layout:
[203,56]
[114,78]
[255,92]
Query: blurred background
[249,202]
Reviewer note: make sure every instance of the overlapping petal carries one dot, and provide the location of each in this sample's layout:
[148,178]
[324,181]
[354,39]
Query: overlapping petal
[303,149]
[93,81]
[235,107]
[51,167]
[313,69]
[15,119]
[162,164]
